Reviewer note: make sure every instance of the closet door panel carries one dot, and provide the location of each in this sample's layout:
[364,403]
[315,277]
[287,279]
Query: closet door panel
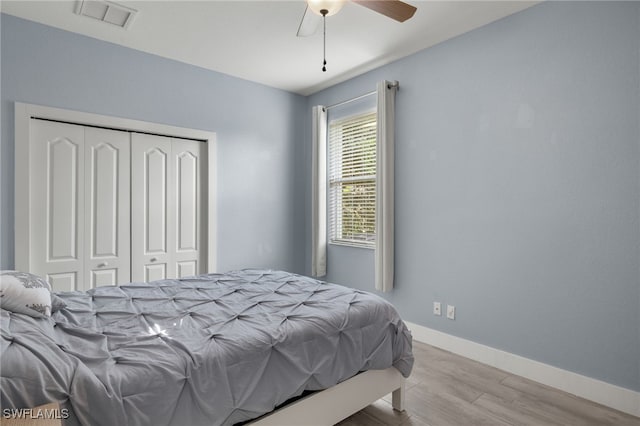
[187,268]
[63,194]
[107,195]
[186,201]
[102,277]
[66,281]
[155,197]
[57,200]
[155,271]
[189,159]
[152,234]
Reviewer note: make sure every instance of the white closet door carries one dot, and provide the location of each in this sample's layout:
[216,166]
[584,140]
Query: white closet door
[107,213]
[152,218]
[57,200]
[189,164]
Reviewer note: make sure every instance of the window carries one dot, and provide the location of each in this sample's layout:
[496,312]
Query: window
[352,180]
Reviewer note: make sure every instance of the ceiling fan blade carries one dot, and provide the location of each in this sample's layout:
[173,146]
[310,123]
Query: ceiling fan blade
[394,9]
[309,24]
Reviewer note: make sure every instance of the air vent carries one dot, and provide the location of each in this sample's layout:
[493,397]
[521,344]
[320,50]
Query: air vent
[107,11]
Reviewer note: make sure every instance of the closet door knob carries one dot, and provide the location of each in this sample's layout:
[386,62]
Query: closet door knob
[102,265]
[154,259]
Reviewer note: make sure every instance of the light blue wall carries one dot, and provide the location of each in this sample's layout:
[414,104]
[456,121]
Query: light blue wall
[518,187]
[259,130]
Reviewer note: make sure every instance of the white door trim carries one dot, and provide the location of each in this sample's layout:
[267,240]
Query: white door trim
[25,112]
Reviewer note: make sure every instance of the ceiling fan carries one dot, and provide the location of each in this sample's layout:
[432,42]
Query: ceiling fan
[317,10]
[394,9]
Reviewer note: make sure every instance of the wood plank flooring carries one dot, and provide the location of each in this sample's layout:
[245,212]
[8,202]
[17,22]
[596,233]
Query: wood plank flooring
[447,389]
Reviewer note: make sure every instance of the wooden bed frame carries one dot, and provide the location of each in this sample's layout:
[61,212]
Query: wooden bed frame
[323,408]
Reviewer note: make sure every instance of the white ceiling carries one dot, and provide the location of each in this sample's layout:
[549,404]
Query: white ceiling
[256,40]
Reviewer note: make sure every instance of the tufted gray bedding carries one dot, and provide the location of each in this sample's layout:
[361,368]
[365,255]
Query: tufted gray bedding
[216,349]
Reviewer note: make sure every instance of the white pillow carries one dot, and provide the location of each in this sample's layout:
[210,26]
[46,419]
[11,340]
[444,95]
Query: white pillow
[25,293]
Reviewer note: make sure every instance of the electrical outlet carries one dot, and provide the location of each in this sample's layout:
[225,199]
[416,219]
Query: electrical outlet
[437,308]
[451,312]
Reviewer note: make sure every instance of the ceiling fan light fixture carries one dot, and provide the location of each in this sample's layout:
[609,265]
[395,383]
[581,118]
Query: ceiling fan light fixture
[330,6]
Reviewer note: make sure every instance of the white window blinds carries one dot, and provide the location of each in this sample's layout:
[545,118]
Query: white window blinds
[352,180]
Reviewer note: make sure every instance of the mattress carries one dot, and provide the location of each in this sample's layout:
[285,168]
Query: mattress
[216,349]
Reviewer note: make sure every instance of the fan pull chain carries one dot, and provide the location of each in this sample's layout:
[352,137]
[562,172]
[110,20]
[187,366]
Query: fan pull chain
[324,39]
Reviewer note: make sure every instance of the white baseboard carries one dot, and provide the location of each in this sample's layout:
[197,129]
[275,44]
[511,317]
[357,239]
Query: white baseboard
[594,390]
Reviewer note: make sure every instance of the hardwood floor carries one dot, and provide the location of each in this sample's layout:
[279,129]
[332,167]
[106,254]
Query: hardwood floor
[446,389]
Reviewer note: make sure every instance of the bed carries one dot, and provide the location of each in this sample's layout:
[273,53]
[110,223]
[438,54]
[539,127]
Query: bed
[217,349]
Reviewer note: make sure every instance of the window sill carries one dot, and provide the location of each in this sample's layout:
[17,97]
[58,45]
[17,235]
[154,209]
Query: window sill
[352,244]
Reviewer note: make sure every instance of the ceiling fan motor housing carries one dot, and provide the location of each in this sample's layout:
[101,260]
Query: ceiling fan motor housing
[329,7]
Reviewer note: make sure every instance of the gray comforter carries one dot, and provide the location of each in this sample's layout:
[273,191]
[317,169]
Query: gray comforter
[216,349]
